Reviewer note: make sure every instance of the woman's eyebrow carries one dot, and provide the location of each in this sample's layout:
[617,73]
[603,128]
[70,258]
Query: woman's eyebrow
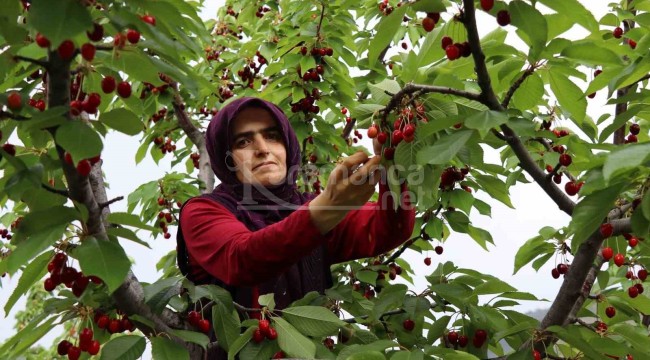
[251,133]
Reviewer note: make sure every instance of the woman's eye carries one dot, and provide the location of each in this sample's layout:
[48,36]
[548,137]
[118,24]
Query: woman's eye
[242,143]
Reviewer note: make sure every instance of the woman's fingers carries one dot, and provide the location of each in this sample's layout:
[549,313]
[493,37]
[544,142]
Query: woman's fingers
[348,165]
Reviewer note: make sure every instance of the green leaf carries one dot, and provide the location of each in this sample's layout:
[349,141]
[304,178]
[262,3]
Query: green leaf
[635,335]
[532,23]
[63,21]
[267,300]
[292,342]
[590,212]
[226,325]
[105,259]
[493,286]
[381,92]
[129,220]
[79,139]
[367,276]
[385,31]
[31,335]
[445,148]
[125,233]
[241,341]
[576,11]
[127,347]
[530,250]
[461,199]
[34,271]
[484,121]
[571,98]
[163,348]
[313,320]
[158,294]
[122,120]
[495,188]
[589,53]
[192,336]
[481,236]
[625,158]
[530,92]
[137,65]
[645,205]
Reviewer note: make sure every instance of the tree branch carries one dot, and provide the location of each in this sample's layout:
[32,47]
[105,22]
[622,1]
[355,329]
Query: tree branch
[516,85]
[41,63]
[401,250]
[109,202]
[55,191]
[12,116]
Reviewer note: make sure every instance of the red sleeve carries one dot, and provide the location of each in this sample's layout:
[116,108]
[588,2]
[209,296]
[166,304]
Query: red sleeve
[229,251]
[373,229]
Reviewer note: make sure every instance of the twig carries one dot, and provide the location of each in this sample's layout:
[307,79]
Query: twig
[30,60]
[401,250]
[583,323]
[516,85]
[12,116]
[109,202]
[55,191]
[320,22]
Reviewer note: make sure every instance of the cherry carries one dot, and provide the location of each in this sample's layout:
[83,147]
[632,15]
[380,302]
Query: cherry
[397,137]
[382,137]
[606,230]
[14,101]
[428,24]
[635,129]
[279,355]
[503,17]
[642,274]
[272,334]
[480,334]
[97,34]
[462,340]
[84,167]
[108,84]
[565,160]
[438,249]
[86,335]
[373,132]
[124,89]
[477,342]
[607,253]
[487,5]
[93,349]
[74,353]
[389,153]
[42,41]
[427,261]
[618,32]
[601,327]
[126,324]
[193,317]
[557,178]
[204,325]
[149,19]
[537,355]
[632,43]
[562,268]
[94,100]
[446,41]
[571,188]
[9,148]
[555,273]
[633,242]
[405,46]
[632,138]
[102,321]
[610,311]
[619,259]
[633,292]
[452,52]
[63,347]
[66,50]
[133,36]
[114,326]
[329,343]
[408,324]
[264,326]
[452,337]
[409,130]
[88,51]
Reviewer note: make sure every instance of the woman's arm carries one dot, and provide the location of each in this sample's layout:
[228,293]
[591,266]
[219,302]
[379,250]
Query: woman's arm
[229,251]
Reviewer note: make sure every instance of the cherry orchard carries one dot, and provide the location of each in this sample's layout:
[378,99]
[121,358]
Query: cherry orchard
[432,93]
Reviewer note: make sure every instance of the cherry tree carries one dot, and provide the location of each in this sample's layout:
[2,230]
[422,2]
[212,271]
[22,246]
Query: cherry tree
[416,76]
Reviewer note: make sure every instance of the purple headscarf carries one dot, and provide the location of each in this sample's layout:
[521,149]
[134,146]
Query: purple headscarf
[238,197]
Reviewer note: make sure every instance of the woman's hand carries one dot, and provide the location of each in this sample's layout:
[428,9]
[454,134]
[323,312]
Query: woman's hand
[350,185]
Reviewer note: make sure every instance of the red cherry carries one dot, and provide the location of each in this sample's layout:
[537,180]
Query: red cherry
[84,167]
[633,292]
[204,326]
[66,50]
[108,84]
[487,5]
[93,349]
[14,101]
[373,132]
[452,52]
[503,17]
[149,19]
[607,253]
[446,41]
[258,337]
[408,324]
[427,261]
[382,137]
[279,355]
[480,334]
[606,230]
[610,311]
[409,130]
[428,24]
[264,326]
[633,242]
[438,249]
[452,337]
[477,342]
[642,274]
[397,137]
[63,347]
[537,355]
[94,100]
[49,285]
[88,51]
[632,43]
[632,138]
[389,153]
[86,335]
[74,353]
[193,317]
[124,89]
[9,148]
[462,340]
[635,129]
[272,334]
[103,321]
[618,32]
[133,36]
[619,259]
[555,273]
[42,41]
[562,268]
[571,188]
[565,160]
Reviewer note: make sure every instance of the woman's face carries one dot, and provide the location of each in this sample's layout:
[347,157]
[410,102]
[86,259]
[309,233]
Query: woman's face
[258,148]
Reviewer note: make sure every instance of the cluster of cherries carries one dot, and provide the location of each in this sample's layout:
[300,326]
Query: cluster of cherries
[61,273]
[634,131]
[385,8]
[455,50]
[109,84]
[158,115]
[86,344]
[196,319]
[4,233]
[195,159]
[262,10]
[461,340]
[166,217]
[618,33]
[307,104]
[165,145]
[606,230]
[250,71]
[264,330]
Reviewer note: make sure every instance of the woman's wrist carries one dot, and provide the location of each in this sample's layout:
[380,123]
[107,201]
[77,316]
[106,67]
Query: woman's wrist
[324,215]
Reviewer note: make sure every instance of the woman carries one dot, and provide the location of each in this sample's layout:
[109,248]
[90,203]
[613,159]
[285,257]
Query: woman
[257,234]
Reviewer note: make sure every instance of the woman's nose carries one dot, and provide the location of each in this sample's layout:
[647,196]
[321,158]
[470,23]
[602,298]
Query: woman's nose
[261,146]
